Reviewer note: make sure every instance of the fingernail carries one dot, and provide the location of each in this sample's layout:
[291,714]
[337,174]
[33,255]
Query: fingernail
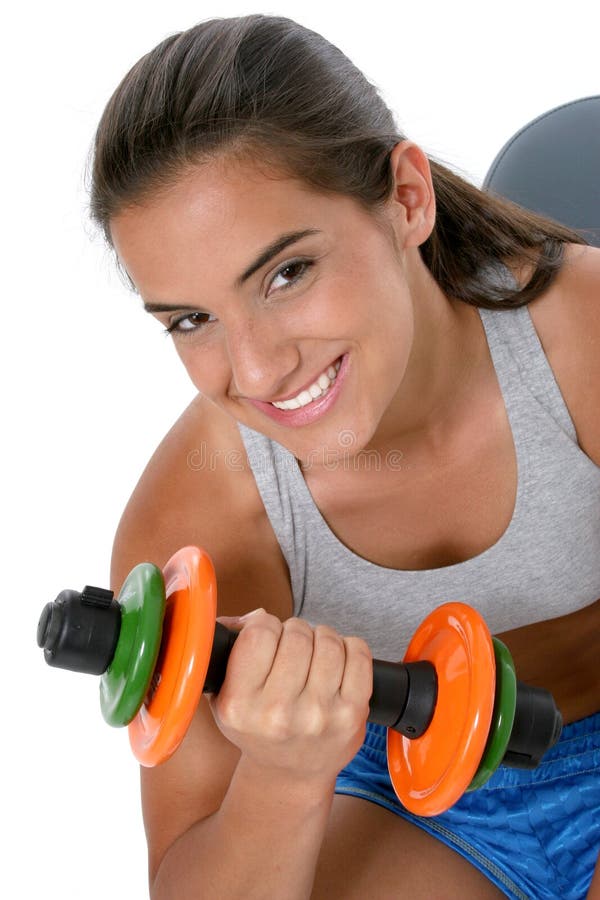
[252,613]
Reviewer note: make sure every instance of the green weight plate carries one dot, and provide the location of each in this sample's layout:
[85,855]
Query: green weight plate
[505,702]
[126,681]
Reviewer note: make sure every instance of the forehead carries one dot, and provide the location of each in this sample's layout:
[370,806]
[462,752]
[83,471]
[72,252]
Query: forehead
[215,217]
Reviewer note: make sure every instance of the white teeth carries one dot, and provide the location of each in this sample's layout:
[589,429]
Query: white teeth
[319,387]
[304,398]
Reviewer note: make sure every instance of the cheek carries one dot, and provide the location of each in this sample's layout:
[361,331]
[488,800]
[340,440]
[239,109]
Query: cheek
[335,309]
[391,334]
[206,365]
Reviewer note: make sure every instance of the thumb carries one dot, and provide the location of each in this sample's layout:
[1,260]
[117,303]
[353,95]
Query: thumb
[236,623]
[233,623]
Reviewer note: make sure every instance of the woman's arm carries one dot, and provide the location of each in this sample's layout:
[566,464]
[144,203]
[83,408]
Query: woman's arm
[241,807]
[258,816]
[567,319]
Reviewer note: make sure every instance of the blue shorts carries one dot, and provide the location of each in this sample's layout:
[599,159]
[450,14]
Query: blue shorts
[534,833]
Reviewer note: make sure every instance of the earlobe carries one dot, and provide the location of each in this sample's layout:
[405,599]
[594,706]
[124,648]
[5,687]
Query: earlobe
[413,198]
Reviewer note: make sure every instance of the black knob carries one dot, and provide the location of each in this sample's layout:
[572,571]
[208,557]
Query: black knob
[79,631]
[536,728]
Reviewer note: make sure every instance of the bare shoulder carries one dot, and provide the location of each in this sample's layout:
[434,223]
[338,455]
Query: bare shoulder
[573,301]
[567,320]
[197,488]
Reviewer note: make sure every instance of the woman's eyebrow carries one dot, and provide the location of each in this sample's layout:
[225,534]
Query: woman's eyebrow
[275,247]
[265,255]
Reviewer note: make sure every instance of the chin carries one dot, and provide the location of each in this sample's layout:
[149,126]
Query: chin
[331,448]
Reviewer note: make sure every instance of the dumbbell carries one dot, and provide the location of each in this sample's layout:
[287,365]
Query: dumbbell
[453,709]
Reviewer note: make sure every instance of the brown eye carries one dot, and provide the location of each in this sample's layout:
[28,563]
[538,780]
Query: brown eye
[189,324]
[294,271]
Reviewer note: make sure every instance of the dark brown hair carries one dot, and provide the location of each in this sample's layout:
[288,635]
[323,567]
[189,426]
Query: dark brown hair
[267,88]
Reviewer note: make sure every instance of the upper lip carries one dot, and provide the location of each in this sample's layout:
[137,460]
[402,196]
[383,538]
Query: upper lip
[304,388]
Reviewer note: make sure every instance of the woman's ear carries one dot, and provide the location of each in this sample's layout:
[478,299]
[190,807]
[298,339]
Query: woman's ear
[412,203]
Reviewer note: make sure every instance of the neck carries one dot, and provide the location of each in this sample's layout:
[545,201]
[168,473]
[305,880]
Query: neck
[447,355]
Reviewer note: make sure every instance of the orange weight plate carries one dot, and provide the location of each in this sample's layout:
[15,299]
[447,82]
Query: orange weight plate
[432,772]
[184,656]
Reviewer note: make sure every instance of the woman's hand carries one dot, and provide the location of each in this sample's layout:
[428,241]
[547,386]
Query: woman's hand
[295,698]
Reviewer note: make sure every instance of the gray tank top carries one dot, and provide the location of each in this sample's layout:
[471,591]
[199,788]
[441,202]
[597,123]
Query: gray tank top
[546,564]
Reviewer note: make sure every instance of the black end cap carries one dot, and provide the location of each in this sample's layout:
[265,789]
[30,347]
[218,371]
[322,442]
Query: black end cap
[79,631]
[537,727]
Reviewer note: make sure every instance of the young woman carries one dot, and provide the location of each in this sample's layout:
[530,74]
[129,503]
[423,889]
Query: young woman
[397,406]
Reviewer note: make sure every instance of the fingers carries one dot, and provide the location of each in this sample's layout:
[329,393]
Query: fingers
[328,662]
[294,697]
[341,676]
[292,658]
[253,653]
[274,652]
[358,671]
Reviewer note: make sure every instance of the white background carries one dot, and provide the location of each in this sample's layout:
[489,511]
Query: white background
[89,384]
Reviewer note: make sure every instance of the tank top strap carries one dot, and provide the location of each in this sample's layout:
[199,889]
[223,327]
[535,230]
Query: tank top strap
[277,475]
[516,350]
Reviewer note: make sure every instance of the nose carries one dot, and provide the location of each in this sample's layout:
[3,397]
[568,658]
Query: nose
[262,360]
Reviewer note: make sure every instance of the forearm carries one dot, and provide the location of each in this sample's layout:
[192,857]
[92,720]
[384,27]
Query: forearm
[263,843]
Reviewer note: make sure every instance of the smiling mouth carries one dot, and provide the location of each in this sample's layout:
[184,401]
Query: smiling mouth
[314,391]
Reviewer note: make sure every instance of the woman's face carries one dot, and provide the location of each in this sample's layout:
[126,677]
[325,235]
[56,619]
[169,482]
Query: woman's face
[252,332]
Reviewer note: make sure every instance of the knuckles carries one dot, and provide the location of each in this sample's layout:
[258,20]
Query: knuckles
[269,713]
[278,720]
[298,632]
[329,640]
[232,711]
[360,647]
[281,722]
